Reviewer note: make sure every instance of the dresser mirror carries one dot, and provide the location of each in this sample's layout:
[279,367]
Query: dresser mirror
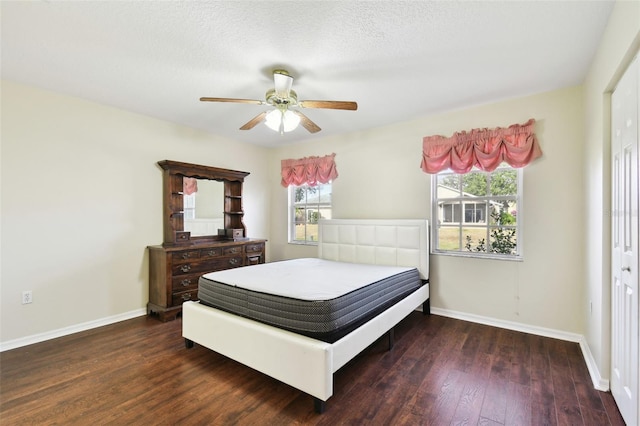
[216,204]
[203,210]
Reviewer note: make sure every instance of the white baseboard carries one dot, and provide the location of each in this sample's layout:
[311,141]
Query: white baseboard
[41,337]
[598,382]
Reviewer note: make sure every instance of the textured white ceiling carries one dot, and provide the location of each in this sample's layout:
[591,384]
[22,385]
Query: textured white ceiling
[399,60]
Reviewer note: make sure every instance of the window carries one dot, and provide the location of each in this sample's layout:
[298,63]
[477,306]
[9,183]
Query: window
[189,206]
[476,214]
[307,205]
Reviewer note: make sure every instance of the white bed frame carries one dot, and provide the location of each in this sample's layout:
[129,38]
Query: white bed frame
[302,362]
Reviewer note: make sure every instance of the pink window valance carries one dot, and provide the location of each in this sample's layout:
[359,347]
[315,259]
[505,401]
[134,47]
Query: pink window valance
[309,170]
[484,148]
[189,185]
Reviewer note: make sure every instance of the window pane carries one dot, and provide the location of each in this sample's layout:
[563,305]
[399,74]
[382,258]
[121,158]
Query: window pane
[312,232]
[503,240]
[512,209]
[475,239]
[457,213]
[503,213]
[313,194]
[300,195]
[474,184]
[300,232]
[504,182]
[449,238]
[448,186]
[324,194]
[474,212]
[450,212]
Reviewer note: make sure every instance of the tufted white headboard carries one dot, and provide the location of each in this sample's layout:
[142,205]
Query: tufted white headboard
[401,242]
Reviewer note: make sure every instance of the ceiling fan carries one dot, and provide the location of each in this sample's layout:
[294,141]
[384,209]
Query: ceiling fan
[283,119]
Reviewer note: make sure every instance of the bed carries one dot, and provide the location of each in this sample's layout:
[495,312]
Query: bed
[307,358]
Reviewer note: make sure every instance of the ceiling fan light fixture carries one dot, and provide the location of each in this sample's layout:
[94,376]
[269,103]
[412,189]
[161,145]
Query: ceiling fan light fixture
[282,121]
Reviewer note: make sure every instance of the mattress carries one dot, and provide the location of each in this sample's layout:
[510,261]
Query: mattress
[318,298]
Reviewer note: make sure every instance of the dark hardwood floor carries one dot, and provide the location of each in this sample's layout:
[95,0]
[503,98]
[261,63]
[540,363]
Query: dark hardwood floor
[441,371]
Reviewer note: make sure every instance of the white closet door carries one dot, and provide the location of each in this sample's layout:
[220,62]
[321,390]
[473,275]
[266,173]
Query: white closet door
[624,257]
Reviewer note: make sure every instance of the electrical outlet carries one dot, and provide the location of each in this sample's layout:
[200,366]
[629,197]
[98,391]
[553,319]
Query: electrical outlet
[27,297]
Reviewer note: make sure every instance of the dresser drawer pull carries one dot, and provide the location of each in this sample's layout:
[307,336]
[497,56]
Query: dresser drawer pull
[185,283]
[185,268]
[233,250]
[234,261]
[185,255]
[186,296]
[211,253]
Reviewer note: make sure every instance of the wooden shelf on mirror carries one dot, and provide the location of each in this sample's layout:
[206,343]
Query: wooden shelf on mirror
[173,197]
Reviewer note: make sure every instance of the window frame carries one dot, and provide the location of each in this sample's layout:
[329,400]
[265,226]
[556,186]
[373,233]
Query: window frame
[487,199]
[292,205]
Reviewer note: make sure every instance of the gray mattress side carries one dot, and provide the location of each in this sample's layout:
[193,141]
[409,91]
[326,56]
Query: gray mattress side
[326,320]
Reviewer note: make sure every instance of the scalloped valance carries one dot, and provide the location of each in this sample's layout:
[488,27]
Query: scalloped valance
[308,170]
[483,148]
[189,185]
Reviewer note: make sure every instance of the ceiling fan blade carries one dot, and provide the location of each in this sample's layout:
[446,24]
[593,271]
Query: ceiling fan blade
[306,122]
[352,106]
[255,120]
[282,82]
[242,101]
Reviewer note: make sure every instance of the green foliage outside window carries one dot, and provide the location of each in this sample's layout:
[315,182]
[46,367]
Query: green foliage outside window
[503,240]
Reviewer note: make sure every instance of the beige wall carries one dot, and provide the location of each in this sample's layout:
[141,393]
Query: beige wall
[81,200]
[379,177]
[618,46]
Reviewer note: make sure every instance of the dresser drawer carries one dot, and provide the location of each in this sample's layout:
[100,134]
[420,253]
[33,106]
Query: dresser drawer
[210,252]
[206,265]
[233,250]
[181,256]
[254,248]
[178,298]
[185,282]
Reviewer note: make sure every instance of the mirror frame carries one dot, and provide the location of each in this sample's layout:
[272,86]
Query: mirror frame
[173,202]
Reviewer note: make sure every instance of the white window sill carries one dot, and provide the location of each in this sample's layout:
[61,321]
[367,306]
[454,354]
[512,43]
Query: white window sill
[518,258]
[304,243]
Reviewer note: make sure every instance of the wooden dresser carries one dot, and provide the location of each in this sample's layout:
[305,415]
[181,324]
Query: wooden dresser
[174,271]
[177,264]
